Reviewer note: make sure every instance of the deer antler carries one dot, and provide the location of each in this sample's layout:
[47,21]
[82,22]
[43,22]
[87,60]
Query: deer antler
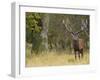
[84,26]
[66,26]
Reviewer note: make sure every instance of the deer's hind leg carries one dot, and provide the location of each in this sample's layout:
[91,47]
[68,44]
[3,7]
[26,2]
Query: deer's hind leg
[81,52]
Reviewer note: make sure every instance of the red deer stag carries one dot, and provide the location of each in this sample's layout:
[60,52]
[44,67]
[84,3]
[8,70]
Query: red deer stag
[78,43]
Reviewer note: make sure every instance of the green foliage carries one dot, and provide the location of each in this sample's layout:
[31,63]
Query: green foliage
[33,29]
[33,26]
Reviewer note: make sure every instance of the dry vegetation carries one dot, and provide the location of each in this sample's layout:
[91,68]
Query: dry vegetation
[54,59]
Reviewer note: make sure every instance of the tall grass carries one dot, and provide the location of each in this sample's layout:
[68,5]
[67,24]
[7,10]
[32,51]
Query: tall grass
[54,58]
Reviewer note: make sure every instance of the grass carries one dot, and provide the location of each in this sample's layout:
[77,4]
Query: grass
[54,58]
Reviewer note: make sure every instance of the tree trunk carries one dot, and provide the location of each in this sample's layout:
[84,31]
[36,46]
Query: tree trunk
[44,32]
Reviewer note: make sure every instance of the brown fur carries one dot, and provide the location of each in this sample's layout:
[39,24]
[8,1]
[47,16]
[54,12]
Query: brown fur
[78,46]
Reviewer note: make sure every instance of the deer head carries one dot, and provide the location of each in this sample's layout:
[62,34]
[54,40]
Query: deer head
[75,35]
